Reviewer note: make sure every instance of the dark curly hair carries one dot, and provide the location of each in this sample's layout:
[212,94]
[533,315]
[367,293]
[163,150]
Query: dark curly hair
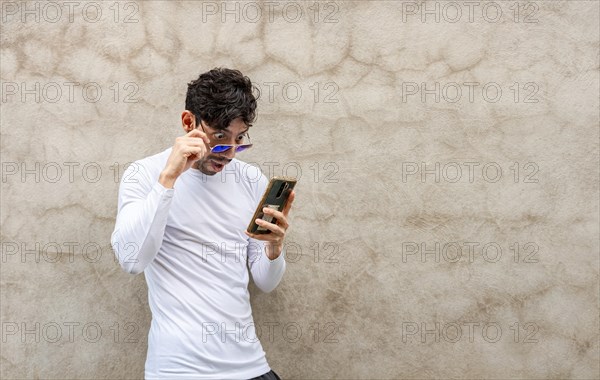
[221,95]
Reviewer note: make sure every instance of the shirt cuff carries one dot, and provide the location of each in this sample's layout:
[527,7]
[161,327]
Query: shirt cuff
[279,258]
[158,187]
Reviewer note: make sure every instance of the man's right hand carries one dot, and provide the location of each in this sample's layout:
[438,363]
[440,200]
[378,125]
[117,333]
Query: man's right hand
[187,150]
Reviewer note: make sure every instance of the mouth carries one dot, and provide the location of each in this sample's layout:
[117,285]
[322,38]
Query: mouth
[218,165]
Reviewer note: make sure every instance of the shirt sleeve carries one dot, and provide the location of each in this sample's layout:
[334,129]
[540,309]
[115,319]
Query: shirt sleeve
[142,212]
[266,273]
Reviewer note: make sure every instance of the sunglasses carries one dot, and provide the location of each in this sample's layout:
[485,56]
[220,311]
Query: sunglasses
[225,147]
[220,148]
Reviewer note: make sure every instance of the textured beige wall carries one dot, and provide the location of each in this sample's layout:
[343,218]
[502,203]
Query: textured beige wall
[431,238]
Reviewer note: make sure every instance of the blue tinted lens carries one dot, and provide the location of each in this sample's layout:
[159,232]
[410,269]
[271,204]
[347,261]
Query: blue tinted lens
[220,148]
[242,148]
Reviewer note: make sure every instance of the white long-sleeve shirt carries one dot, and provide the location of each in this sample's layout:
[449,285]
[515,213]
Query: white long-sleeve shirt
[189,241]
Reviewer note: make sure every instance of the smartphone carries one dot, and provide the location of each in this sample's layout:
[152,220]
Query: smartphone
[276,196]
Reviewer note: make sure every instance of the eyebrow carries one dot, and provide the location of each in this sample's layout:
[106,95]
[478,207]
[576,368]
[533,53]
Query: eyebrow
[229,132]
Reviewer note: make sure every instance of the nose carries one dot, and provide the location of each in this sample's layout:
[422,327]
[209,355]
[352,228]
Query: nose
[230,153]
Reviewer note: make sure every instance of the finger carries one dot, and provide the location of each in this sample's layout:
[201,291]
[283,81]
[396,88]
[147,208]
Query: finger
[255,236]
[274,228]
[194,141]
[198,133]
[281,219]
[197,150]
[265,238]
[183,143]
[197,155]
[262,237]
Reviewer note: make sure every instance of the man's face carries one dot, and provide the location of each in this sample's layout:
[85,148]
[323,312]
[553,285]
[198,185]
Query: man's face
[235,133]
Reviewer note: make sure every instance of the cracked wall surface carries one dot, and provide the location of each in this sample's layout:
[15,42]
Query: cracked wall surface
[446,223]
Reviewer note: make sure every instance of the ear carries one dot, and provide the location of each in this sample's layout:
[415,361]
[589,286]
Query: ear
[188,121]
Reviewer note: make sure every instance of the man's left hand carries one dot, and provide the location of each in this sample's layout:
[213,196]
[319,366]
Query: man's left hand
[274,240]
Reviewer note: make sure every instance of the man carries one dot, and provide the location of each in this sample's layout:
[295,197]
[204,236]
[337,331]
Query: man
[184,226]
